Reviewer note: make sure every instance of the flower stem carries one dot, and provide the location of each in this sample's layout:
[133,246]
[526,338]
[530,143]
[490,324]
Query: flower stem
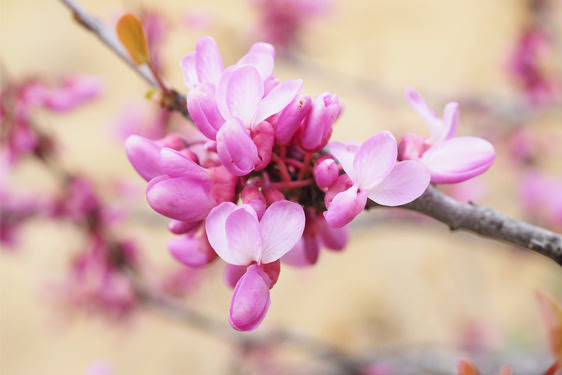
[292,184]
[285,176]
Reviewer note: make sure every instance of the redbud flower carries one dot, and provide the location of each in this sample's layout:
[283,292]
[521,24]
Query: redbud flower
[240,239]
[449,159]
[376,175]
[194,251]
[317,127]
[325,171]
[74,91]
[291,117]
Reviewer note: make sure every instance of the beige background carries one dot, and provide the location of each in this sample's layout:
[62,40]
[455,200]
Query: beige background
[397,285]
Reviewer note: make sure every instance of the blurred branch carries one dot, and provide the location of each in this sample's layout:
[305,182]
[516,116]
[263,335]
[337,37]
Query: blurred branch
[169,307]
[172,100]
[483,221]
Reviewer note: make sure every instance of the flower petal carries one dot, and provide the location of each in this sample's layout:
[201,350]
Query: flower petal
[260,56]
[192,251]
[345,207]
[345,154]
[236,149]
[436,126]
[215,226]
[244,237]
[281,226]
[189,72]
[450,118]
[244,92]
[250,300]
[174,164]
[277,99]
[374,160]
[406,182]
[458,159]
[144,156]
[208,61]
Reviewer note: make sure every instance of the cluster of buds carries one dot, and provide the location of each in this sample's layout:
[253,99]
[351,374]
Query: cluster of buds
[20,101]
[260,189]
[281,21]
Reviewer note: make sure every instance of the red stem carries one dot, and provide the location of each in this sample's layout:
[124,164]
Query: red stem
[292,184]
[158,79]
[304,169]
[285,176]
[294,163]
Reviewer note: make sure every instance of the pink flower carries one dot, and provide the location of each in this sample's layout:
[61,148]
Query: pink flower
[375,174]
[449,159]
[194,251]
[240,239]
[74,91]
[316,129]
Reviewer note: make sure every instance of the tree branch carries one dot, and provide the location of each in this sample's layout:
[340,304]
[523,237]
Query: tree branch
[483,221]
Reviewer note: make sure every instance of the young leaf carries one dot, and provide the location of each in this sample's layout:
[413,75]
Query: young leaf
[131,34]
[552,317]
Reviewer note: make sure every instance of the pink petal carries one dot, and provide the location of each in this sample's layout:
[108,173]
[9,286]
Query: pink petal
[189,72]
[174,164]
[450,118]
[436,126]
[374,160]
[243,94]
[345,154]
[180,198]
[406,182]
[182,227]
[458,159]
[277,99]
[221,92]
[202,107]
[289,120]
[236,149]
[215,226]
[244,237]
[260,56]
[281,226]
[304,254]
[144,156]
[232,274]
[250,300]
[345,207]
[332,238]
[192,251]
[208,61]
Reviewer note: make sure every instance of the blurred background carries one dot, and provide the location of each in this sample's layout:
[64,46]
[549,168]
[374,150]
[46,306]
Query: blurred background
[403,286]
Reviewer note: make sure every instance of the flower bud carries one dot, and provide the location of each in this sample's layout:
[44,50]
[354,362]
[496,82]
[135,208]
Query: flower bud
[317,127]
[306,251]
[332,238]
[325,171]
[180,198]
[290,118]
[173,141]
[250,300]
[251,195]
[263,136]
[235,147]
[192,251]
[182,227]
[144,156]
[203,109]
[272,194]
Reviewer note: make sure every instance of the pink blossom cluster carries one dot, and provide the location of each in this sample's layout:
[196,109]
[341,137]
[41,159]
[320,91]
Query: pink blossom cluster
[21,100]
[281,21]
[262,189]
[526,67]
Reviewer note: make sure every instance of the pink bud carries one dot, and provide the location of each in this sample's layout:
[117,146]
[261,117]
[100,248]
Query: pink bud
[203,110]
[332,238]
[223,184]
[290,118]
[272,194]
[251,195]
[412,146]
[317,128]
[325,171]
[173,141]
[193,251]
[306,251]
[233,273]
[182,227]
[342,183]
[190,155]
[250,300]
[263,136]
[235,147]
[144,156]
[180,198]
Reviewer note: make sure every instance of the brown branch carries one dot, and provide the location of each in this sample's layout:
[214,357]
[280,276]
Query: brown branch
[483,221]
[486,222]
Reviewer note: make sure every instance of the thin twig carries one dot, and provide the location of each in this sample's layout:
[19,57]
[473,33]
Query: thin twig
[483,221]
